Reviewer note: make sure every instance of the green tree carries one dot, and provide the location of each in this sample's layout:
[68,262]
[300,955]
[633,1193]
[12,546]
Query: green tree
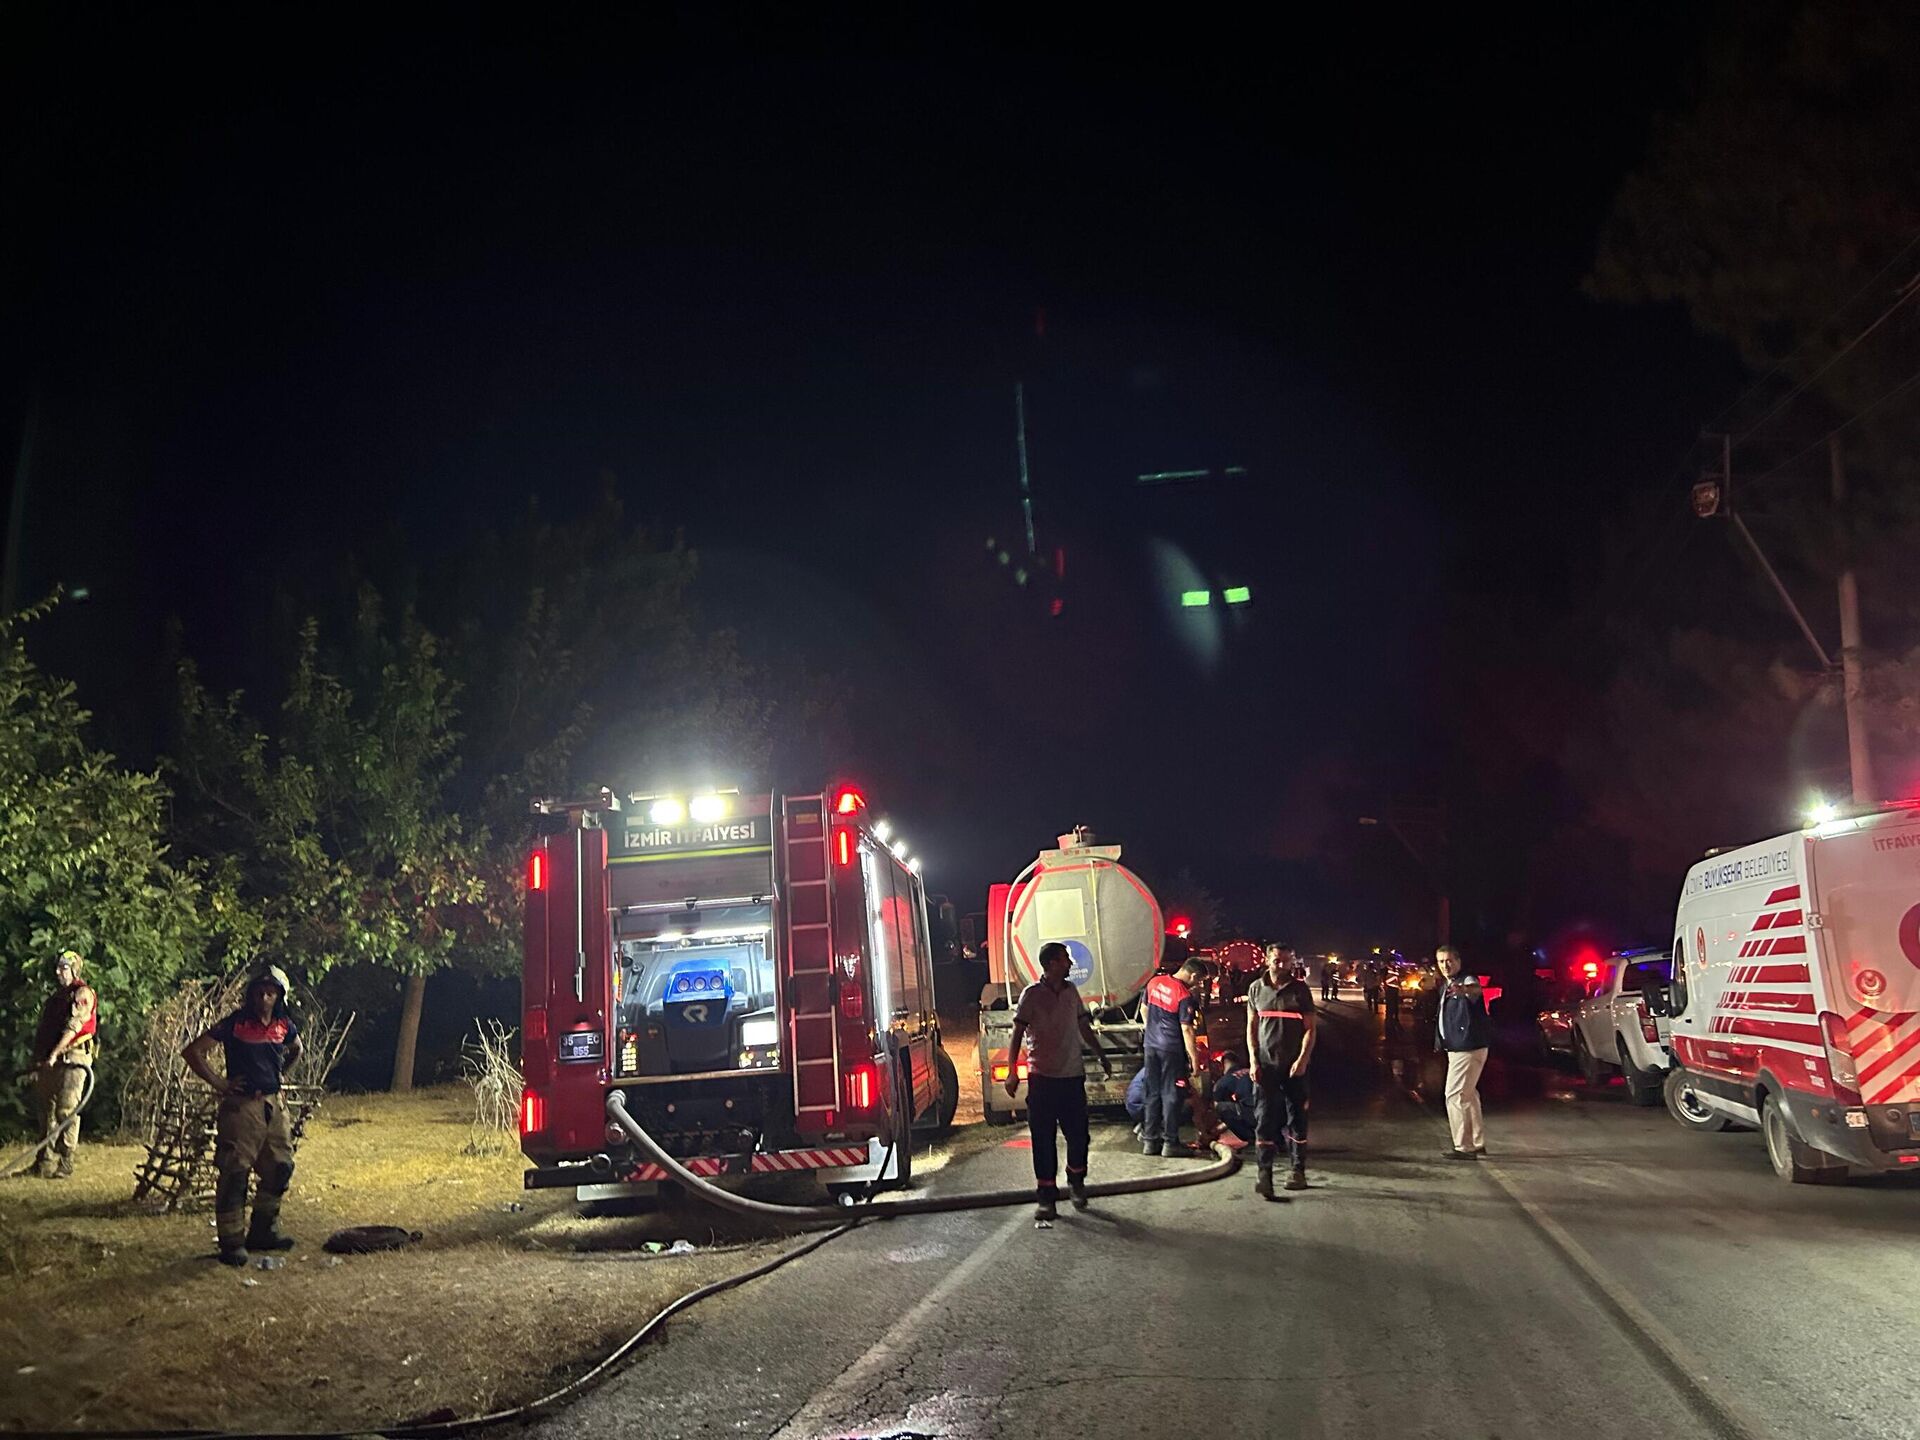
[1781,209]
[581,661]
[84,865]
[333,829]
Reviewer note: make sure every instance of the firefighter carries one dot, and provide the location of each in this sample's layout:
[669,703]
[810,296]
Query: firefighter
[1051,1015]
[1170,1059]
[1280,1036]
[63,1064]
[251,1134]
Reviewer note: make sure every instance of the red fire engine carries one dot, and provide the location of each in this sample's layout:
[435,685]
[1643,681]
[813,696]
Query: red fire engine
[752,973]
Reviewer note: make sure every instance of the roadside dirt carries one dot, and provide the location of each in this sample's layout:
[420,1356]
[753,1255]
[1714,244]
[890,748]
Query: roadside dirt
[111,1316]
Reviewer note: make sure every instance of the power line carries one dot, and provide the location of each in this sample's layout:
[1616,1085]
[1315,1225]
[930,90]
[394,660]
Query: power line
[1794,354]
[1907,292]
[1845,425]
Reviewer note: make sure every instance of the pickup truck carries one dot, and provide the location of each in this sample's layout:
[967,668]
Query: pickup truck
[1614,1028]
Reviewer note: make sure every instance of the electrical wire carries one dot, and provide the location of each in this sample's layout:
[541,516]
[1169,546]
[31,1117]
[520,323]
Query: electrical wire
[1794,354]
[1907,292]
[1840,429]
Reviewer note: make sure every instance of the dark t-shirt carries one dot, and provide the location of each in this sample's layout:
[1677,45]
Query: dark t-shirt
[1280,1020]
[256,1053]
[1169,1012]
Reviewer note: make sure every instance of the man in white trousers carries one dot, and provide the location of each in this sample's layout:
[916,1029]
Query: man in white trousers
[1464,1032]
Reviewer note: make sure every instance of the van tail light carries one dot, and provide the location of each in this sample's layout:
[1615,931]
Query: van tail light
[1649,1031]
[863,1086]
[537,870]
[843,847]
[533,1112]
[1000,1067]
[1846,1075]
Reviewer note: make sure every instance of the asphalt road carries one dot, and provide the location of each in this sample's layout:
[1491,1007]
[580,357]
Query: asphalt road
[1604,1273]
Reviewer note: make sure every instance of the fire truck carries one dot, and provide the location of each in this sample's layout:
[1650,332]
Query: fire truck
[1082,896]
[751,972]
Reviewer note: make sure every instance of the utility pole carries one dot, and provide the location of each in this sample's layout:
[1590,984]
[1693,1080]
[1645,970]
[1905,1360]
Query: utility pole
[1713,495]
[1859,744]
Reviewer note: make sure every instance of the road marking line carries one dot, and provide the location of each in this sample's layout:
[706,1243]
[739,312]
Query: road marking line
[1683,1369]
[814,1416]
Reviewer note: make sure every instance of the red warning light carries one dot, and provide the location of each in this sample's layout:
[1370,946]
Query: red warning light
[537,870]
[848,800]
[1591,969]
[843,847]
[1180,925]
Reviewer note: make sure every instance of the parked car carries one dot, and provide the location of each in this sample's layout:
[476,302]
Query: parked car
[1554,1023]
[1613,1028]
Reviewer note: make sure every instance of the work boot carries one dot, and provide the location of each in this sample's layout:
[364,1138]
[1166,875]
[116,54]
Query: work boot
[267,1237]
[64,1170]
[1043,1212]
[1174,1150]
[1077,1187]
[43,1167]
[1297,1180]
[1263,1182]
[234,1255]
[1149,1147]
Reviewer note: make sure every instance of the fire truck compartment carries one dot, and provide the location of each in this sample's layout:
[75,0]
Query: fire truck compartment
[695,993]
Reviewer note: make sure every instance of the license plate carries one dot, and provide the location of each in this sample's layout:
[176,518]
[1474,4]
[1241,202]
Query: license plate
[578,1045]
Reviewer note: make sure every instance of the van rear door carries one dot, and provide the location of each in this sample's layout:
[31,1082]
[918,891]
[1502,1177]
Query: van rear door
[1866,891]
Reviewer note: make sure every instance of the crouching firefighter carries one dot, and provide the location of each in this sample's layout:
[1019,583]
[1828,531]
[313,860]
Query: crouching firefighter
[251,1135]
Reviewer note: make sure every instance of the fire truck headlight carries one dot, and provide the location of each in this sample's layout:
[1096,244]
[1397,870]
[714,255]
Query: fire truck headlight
[667,812]
[765,1031]
[708,808]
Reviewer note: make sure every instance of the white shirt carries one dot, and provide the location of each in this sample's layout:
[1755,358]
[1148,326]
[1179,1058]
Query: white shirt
[1053,1029]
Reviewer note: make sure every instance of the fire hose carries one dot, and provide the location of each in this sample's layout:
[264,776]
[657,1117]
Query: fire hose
[40,1148]
[1227,1162]
[840,1217]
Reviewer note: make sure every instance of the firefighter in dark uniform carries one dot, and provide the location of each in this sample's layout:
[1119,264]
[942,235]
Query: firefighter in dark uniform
[251,1134]
[63,1064]
[1170,1059]
[1280,1036]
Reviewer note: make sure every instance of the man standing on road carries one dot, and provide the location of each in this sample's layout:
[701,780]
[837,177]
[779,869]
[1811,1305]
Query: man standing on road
[1054,1024]
[1464,1033]
[63,1064]
[251,1135]
[1280,1035]
[1170,1059]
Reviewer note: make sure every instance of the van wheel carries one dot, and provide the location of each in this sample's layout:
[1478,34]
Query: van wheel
[1642,1088]
[1793,1161]
[1687,1107]
[949,1105]
[1591,1070]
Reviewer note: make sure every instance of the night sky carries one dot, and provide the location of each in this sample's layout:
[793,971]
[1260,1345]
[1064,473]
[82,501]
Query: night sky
[284,294]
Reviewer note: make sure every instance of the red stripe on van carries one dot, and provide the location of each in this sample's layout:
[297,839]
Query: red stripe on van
[1776,1030]
[1886,1058]
[1789,892]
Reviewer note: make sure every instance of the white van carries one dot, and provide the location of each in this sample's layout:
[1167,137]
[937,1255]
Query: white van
[1795,1000]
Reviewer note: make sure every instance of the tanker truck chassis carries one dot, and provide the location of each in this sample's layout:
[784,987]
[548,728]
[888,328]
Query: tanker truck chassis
[1081,896]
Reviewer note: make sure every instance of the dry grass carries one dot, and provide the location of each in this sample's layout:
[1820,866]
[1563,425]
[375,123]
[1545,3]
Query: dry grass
[110,1316]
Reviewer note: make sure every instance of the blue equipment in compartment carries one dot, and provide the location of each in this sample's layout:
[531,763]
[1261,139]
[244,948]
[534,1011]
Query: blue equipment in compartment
[698,995]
